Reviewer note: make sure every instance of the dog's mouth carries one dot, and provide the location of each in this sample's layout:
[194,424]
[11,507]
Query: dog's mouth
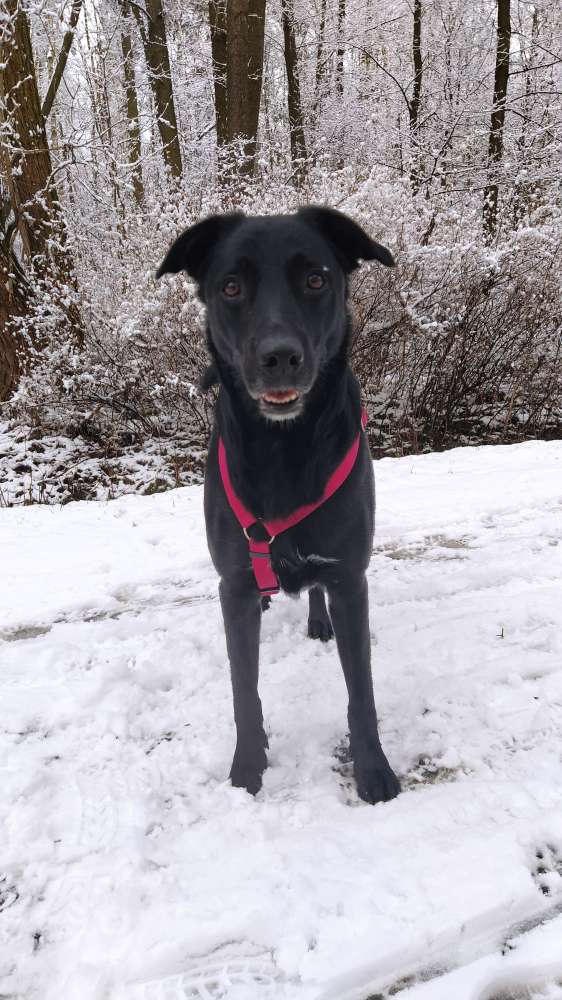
[280,403]
[280,397]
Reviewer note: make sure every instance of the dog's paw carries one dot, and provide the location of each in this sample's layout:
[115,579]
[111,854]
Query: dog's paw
[318,629]
[247,772]
[376,782]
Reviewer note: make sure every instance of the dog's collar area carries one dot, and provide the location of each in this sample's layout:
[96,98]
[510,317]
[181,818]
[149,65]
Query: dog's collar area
[267,580]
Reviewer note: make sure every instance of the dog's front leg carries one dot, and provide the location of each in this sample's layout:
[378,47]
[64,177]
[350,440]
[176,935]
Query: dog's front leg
[349,610]
[241,611]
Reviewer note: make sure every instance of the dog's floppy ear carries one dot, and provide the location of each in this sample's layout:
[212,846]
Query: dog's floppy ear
[209,378]
[351,243]
[192,249]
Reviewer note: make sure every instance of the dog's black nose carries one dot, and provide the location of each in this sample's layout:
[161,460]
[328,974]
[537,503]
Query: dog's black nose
[280,357]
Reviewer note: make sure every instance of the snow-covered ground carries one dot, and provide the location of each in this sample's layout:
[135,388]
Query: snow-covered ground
[129,868]
[38,467]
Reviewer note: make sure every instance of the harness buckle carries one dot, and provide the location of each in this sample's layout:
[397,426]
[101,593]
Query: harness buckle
[249,538]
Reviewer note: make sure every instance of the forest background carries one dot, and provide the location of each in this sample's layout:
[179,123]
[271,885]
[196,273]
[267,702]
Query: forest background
[434,123]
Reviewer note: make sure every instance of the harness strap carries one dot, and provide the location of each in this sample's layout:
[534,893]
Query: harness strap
[260,552]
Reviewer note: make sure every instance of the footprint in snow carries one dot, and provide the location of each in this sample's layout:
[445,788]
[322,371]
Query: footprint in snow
[433,547]
[427,772]
[130,604]
[235,979]
[8,892]
[24,632]
[547,870]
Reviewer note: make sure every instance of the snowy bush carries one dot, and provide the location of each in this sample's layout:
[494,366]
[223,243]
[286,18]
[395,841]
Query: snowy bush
[460,343]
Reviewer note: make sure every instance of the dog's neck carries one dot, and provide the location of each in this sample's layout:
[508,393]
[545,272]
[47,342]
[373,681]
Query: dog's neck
[277,466]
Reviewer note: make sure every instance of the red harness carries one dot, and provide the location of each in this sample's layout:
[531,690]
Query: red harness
[260,554]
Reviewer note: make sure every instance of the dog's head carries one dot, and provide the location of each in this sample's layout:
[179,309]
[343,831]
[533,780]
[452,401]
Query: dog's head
[275,288]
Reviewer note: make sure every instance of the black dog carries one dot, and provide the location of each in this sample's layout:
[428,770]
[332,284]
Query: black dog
[288,414]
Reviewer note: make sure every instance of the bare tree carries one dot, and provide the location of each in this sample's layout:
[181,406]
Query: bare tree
[34,207]
[495,140]
[133,127]
[13,295]
[61,62]
[414,103]
[319,63]
[524,191]
[152,27]
[340,52]
[217,24]
[27,159]
[244,71]
[296,118]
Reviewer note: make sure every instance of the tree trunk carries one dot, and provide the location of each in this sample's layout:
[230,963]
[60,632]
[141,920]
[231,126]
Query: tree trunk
[155,43]
[414,104]
[62,59]
[217,24]
[34,204]
[495,140]
[340,53]
[244,70]
[27,159]
[524,190]
[319,68]
[296,119]
[133,128]
[13,346]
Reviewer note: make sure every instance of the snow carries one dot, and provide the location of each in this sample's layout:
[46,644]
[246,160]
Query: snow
[55,468]
[129,868]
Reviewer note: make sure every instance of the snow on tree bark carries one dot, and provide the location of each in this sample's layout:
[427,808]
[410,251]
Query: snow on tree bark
[296,117]
[495,140]
[32,194]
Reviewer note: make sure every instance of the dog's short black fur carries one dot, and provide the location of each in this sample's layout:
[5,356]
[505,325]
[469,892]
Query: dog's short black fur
[288,409]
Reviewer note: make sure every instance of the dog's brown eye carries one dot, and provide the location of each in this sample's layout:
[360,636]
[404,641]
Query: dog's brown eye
[231,288]
[315,281]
